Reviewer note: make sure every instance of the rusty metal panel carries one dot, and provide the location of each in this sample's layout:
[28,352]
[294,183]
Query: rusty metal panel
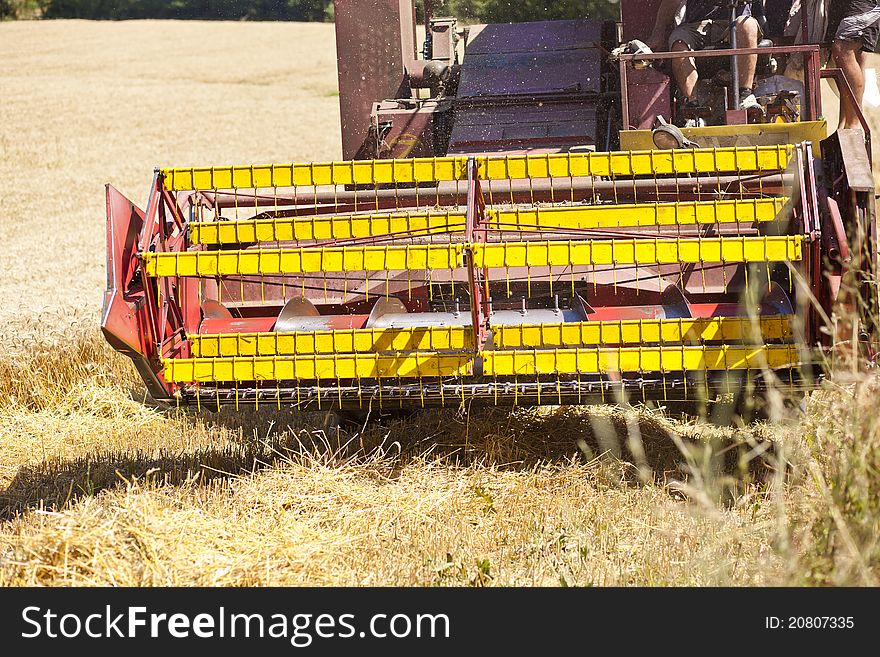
[375,39]
[649,93]
[531,127]
[411,127]
[531,58]
[854,156]
[528,87]
[639,18]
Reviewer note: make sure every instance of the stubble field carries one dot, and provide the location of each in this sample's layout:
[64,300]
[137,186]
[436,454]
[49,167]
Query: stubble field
[97,487]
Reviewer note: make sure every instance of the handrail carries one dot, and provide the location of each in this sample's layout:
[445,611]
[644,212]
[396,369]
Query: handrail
[768,50]
[811,70]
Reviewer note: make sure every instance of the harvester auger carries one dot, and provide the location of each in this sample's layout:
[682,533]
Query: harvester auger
[504,230]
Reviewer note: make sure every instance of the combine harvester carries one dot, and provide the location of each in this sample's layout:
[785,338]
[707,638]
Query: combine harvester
[510,226]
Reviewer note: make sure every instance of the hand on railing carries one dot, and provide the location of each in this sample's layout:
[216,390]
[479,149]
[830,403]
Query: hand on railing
[634,47]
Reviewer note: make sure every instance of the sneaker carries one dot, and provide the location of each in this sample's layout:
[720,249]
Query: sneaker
[691,114]
[748,102]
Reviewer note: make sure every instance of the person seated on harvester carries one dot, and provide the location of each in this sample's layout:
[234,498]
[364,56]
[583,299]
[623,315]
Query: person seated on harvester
[855,25]
[706,23]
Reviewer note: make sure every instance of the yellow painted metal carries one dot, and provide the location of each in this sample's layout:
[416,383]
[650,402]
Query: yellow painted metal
[424,339]
[520,218]
[636,359]
[325,228]
[332,342]
[360,172]
[558,253]
[304,260]
[638,251]
[637,214]
[634,163]
[334,366]
[563,165]
[643,331]
[521,362]
[736,135]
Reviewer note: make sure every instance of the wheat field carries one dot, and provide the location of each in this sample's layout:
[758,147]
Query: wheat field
[99,488]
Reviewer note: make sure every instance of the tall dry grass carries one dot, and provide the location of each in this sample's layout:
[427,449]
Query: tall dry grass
[101,489]
[98,487]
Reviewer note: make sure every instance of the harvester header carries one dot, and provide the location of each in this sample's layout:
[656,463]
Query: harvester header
[497,243]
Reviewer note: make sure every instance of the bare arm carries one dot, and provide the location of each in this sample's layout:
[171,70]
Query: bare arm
[665,15]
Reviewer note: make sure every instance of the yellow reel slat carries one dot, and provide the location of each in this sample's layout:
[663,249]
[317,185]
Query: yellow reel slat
[559,253]
[643,331]
[638,251]
[525,362]
[336,366]
[637,214]
[332,342]
[528,218]
[304,260]
[325,228]
[636,359]
[439,169]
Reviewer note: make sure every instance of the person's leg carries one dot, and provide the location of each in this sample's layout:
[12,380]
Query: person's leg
[747,34]
[849,58]
[683,70]
[684,38]
[857,32]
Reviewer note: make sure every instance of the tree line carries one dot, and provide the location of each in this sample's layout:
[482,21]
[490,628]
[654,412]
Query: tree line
[494,11]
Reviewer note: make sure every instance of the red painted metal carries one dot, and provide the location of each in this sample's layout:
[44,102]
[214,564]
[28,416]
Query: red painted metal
[839,232]
[478,279]
[648,95]
[654,311]
[127,318]
[411,127]
[638,18]
[120,318]
[163,310]
[375,40]
[770,50]
[811,74]
[837,249]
